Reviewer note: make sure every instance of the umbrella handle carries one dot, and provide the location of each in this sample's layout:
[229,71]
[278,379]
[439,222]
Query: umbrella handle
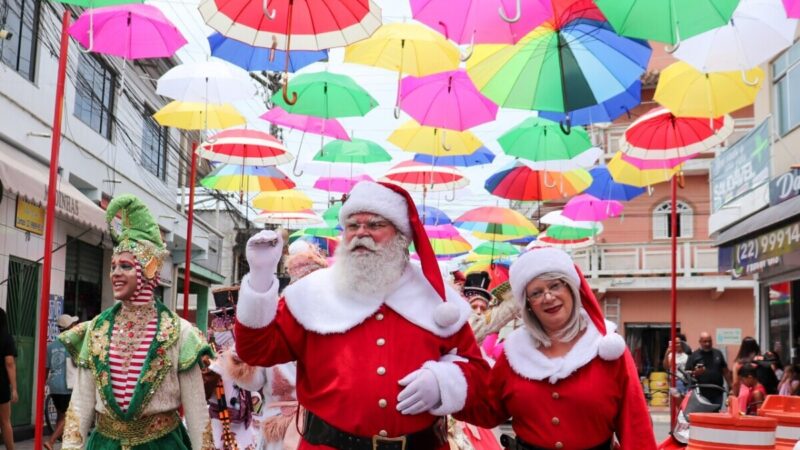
[91,34]
[517,15]
[568,128]
[272,49]
[269,14]
[396,112]
[285,92]
[445,147]
[748,82]
[449,197]
[672,49]
[297,158]
[544,181]
[468,52]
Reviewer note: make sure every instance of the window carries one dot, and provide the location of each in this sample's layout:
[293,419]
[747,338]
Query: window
[83,279]
[154,145]
[786,77]
[21,19]
[94,94]
[662,228]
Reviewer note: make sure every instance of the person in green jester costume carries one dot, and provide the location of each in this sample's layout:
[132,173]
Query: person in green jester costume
[138,362]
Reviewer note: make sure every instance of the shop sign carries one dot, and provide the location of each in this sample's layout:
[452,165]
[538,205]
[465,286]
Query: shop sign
[29,217]
[741,168]
[784,187]
[729,336]
[755,254]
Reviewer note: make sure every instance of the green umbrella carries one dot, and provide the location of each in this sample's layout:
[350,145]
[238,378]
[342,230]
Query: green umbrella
[327,95]
[496,249]
[317,232]
[331,215]
[355,151]
[567,233]
[538,139]
[666,20]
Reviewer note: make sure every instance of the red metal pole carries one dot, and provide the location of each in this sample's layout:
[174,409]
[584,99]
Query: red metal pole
[44,301]
[673,406]
[190,222]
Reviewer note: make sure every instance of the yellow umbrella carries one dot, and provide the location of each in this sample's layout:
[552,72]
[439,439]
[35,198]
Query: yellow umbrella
[416,138]
[198,116]
[687,92]
[406,48]
[624,172]
[289,200]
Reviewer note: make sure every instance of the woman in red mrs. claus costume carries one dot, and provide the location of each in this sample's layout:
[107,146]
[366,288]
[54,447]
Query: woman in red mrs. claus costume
[383,349]
[566,378]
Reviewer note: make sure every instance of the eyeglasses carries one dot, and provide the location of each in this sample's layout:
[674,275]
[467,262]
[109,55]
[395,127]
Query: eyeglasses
[371,226]
[554,288]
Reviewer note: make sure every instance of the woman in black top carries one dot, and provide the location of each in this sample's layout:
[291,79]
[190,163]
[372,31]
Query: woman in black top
[8,381]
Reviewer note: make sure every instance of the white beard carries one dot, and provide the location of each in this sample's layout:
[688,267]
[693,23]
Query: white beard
[370,274]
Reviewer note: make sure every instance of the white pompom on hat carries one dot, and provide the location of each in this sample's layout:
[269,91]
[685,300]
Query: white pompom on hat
[538,261]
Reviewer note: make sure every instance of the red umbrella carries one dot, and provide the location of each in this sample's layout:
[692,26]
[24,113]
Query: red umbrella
[279,25]
[245,148]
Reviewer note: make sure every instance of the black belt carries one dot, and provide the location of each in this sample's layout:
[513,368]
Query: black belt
[515,443]
[319,432]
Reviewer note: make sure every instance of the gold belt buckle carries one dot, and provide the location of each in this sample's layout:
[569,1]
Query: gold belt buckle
[378,439]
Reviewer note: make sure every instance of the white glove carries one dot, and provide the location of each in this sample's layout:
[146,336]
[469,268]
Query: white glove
[263,258]
[421,392]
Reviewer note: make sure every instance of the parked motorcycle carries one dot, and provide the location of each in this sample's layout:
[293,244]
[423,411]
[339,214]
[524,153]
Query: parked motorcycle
[693,402]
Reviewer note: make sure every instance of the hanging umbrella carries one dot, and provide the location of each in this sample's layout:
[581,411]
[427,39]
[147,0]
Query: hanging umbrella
[307,124]
[589,208]
[494,249]
[567,233]
[198,116]
[318,25]
[416,138]
[433,216]
[757,31]
[418,177]
[606,111]
[288,200]
[244,147]
[480,157]
[557,217]
[605,188]
[331,215]
[354,151]
[244,179]
[520,182]
[481,21]
[688,92]
[326,232]
[406,48]
[659,135]
[333,170]
[449,246]
[98,3]
[496,223]
[652,164]
[582,161]
[446,100]
[289,219]
[254,59]
[548,241]
[666,21]
[342,185]
[792,8]
[567,64]
[130,31]
[537,139]
[211,81]
[327,95]
[623,171]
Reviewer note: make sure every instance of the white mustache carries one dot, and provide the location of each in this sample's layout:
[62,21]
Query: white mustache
[366,242]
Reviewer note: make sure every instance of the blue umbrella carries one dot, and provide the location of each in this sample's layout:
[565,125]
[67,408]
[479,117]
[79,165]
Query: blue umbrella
[253,58]
[605,188]
[432,216]
[481,156]
[605,111]
[525,240]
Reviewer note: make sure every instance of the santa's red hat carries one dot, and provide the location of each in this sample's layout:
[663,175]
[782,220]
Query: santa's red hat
[395,204]
[538,261]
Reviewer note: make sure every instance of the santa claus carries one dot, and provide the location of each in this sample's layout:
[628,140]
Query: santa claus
[383,348]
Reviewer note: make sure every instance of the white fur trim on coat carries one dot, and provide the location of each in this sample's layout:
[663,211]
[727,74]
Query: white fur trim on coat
[527,361]
[371,197]
[256,309]
[452,386]
[319,307]
[537,262]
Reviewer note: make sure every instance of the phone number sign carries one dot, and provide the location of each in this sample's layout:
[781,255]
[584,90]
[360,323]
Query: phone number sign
[753,255]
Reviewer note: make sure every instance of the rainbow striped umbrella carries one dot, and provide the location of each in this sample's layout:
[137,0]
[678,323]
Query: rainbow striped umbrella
[520,182]
[496,223]
[243,179]
[288,200]
[448,247]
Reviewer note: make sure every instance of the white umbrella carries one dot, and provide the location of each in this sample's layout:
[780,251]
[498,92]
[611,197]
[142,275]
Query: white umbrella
[292,220]
[757,31]
[338,170]
[212,81]
[557,218]
[584,160]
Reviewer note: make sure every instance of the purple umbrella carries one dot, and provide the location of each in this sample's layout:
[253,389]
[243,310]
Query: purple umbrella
[341,185]
[446,100]
[585,207]
[132,31]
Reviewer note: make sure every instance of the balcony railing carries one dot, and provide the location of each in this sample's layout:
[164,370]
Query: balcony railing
[694,258]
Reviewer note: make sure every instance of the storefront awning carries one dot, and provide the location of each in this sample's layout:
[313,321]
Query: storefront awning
[771,217]
[28,178]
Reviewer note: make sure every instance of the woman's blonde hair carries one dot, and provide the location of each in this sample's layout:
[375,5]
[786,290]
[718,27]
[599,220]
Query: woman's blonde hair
[575,324]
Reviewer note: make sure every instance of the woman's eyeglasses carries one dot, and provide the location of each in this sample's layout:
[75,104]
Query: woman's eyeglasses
[554,288]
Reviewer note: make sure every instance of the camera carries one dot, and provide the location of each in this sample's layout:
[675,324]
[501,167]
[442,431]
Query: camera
[6,34]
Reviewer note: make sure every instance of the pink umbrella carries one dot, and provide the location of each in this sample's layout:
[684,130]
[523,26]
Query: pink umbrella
[446,100]
[341,185]
[482,21]
[306,124]
[441,231]
[792,8]
[586,207]
[651,164]
[130,31]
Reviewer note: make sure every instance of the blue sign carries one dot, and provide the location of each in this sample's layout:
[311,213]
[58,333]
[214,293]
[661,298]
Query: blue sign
[742,167]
